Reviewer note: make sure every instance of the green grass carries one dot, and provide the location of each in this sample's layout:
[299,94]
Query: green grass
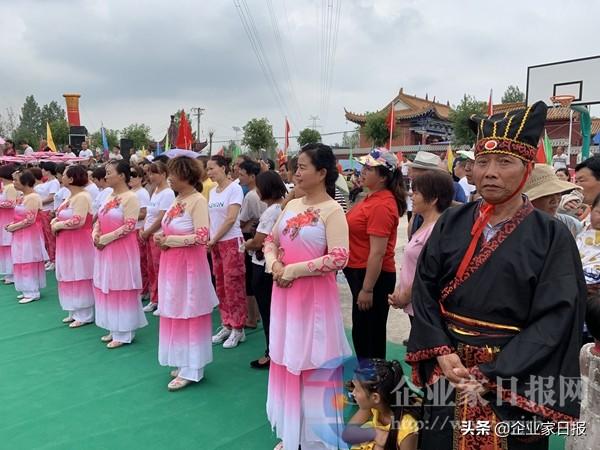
[61,388]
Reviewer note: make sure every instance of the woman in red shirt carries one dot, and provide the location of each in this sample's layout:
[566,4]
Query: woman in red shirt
[371,270]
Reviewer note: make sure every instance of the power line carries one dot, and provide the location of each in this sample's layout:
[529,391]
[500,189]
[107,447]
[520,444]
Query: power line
[330,133]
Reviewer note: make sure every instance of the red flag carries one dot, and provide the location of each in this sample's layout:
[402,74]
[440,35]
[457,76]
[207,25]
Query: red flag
[490,110]
[286,146]
[184,134]
[390,122]
[540,155]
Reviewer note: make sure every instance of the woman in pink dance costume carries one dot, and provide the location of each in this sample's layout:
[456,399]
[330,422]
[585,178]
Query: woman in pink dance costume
[8,201]
[117,276]
[75,249]
[27,248]
[185,289]
[308,245]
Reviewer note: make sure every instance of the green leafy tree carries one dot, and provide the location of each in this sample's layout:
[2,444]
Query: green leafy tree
[308,136]
[30,123]
[138,133]
[60,132]
[258,134]
[459,117]
[112,137]
[513,94]
[351,140]
[376,129]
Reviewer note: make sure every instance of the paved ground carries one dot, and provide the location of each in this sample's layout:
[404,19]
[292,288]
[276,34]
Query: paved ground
[398,325]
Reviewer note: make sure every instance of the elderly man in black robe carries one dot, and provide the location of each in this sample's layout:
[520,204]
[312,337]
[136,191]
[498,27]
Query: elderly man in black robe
[499,299]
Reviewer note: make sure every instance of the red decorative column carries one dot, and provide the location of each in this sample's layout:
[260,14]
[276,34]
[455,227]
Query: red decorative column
[72,109]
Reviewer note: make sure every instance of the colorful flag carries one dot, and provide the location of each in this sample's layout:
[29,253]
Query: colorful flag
[547,147]
[157,150]
[104,143]
[184,134]
[450,158]
[390,122]
[287,136]
[167,145]
[49,140]
[490,108]
[235,151]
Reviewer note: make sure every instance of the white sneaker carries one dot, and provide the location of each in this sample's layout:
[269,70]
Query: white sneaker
[156,313]
[49,266]
[149,307]
[221,335]
[235,338]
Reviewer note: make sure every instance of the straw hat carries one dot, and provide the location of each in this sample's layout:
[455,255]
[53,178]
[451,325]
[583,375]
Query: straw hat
[427,161]
[543,181]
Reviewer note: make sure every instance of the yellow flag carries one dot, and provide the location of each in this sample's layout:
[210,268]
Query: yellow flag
[450,158]
[49,139]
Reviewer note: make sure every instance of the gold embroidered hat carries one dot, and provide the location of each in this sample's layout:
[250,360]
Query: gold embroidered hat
[515,133]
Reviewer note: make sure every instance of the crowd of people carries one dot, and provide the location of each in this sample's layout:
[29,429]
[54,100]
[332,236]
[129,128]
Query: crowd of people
[501,265]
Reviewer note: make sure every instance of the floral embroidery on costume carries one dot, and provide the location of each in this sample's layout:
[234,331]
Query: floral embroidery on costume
[200,237]
[175,211]
[29,218]
[127,228]
[73,222]
[336,259]
[310,217]
[8,204]
[114,203]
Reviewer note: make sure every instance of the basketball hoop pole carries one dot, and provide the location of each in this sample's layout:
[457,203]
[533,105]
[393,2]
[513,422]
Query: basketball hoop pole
[570,135]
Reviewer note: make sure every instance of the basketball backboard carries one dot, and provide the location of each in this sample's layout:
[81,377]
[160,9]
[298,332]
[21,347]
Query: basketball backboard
[577,77]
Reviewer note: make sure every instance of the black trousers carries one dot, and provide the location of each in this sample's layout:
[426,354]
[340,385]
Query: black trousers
[262,285]
[369,327]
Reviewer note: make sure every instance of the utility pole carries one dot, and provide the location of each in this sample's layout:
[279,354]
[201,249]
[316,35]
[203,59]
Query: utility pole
[198,113]
[314,119]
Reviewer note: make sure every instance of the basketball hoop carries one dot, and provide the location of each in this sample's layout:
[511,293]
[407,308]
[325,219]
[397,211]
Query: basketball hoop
[562,100]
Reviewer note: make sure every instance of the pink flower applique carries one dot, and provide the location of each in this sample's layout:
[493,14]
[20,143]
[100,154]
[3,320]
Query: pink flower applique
[310,217]
[114,203]
[335,260]
[175,211]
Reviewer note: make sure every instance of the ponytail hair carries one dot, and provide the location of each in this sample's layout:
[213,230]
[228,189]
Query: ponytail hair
[394,182]
[322,157]
[222,161]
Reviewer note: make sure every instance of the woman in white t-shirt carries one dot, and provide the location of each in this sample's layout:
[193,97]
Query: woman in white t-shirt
[272,190]
[224,204]
[161,200]
[135,183]
[47,190]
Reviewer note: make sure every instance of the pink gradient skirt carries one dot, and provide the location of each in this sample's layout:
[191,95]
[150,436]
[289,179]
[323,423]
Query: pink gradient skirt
[119,310]
[185,342]
[74,295]
[6,264]
[29,277]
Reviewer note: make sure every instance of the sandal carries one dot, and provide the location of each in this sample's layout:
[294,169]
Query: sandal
[257,364]
[26,300]
[174,373]
[20,296]
[106,338]
[178,384]
[77,324]
[68,320]
[115,344]
[279,446]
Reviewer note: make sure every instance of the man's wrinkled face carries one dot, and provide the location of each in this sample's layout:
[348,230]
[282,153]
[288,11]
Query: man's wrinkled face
[497,176]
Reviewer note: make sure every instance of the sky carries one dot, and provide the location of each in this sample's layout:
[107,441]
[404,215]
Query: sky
[140,61]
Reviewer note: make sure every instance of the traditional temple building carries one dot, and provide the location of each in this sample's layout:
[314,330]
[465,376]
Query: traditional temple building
[419,121]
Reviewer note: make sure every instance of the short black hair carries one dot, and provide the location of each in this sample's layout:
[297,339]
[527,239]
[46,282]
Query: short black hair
[49,166]
[270,186]
[6,172]
[122,168]
[435,184]
[592,316]
[37,173]
[79,175]
[563,170]
[224,162]
[99,173]
[27,178]
[593,164]
[250,167]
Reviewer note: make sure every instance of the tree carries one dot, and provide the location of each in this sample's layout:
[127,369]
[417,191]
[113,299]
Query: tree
[60,132]
[308,136]
[8,123]
[258,134]
[112,137]
[54,114]
[30,123]
[351,140]
[138,133]
[459,116]
[376,129]
[513,95]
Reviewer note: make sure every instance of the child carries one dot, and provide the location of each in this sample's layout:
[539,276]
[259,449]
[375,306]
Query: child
[387,415]
[589,361]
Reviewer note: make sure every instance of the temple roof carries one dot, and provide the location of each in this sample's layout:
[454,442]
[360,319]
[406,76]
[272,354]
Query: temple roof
[406,107]
[554,113]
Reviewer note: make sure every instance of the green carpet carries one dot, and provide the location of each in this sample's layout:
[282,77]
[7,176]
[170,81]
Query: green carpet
[61,388]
